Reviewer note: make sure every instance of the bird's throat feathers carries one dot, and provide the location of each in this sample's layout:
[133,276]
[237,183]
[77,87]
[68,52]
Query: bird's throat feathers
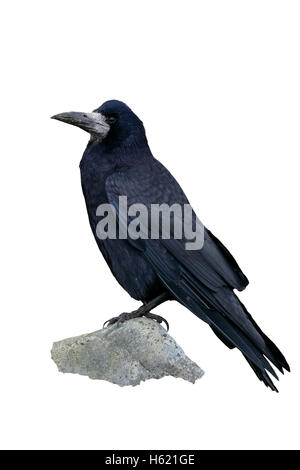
[117,153]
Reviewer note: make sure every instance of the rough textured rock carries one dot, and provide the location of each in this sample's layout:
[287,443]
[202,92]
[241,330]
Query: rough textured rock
[137,350]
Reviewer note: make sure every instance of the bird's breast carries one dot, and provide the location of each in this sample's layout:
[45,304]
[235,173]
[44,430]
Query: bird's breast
[126,263]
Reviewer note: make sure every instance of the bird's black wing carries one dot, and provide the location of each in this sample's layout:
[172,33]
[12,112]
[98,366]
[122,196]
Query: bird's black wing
[202,280]
[152,183]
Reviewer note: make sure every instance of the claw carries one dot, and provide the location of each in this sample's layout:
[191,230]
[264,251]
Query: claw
[121,318]
[135,314]
[109,322]
[158,318]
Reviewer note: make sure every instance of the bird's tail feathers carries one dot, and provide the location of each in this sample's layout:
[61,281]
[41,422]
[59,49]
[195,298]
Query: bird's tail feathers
[256,352]
[262,375]
[274,354]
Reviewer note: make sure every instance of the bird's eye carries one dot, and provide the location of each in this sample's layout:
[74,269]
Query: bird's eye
[111,120]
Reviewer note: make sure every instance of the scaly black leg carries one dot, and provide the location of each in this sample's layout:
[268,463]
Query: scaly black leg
[143,311]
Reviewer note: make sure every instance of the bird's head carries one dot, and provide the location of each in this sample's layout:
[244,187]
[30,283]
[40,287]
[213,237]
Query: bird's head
[113,123]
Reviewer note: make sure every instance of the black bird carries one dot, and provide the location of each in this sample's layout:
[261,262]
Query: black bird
[118,162]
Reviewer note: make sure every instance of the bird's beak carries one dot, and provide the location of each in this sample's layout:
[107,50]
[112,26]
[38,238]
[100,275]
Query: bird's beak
[94,123]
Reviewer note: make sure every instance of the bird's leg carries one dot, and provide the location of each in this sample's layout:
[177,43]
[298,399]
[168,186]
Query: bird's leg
[143,311]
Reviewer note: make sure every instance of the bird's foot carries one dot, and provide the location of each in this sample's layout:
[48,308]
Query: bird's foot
[157,318]
[135,314]
[121,318]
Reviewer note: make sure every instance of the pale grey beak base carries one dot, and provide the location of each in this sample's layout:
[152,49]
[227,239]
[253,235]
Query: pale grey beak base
[94,123]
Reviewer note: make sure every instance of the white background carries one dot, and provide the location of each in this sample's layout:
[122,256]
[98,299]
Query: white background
[217,86]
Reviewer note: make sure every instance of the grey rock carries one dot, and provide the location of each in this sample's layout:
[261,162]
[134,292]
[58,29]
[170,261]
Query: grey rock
[137,350]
